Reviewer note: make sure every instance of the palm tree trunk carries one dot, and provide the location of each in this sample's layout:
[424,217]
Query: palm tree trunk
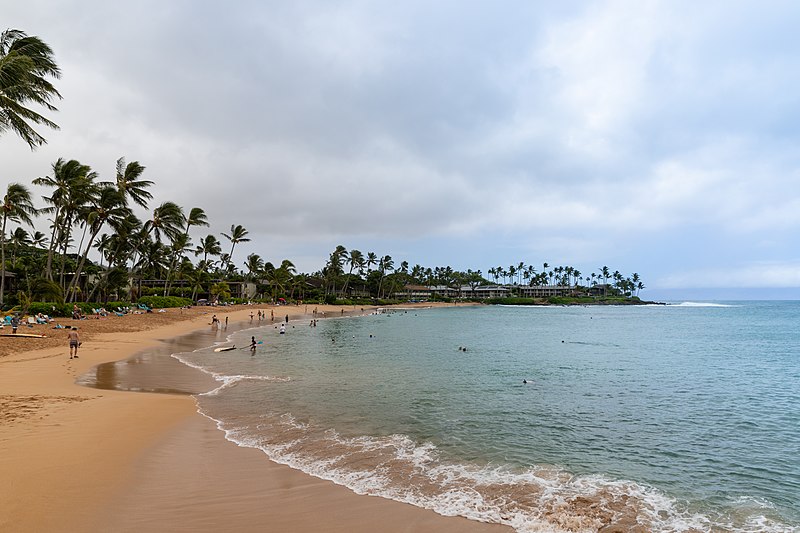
[3,263]
[52,248]
[73,284]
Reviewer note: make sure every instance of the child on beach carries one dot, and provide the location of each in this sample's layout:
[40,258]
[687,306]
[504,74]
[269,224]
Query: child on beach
[74,342]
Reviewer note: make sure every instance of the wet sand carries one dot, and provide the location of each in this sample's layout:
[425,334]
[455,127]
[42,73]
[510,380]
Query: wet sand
[76,458]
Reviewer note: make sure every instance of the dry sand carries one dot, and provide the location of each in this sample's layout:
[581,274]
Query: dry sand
[79,459]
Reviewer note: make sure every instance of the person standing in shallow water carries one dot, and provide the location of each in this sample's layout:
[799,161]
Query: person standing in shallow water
[74,342]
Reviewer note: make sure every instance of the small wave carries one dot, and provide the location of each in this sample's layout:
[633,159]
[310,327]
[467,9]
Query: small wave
[538,498]
[699,304]
[228,380]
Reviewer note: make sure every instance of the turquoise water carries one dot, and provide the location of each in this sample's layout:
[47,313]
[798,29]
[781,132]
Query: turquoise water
[674,417]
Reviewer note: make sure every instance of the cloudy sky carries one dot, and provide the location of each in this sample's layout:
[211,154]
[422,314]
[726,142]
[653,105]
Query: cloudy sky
[649,136]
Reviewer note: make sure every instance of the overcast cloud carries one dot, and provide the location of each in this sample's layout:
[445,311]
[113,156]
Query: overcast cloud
[656,137]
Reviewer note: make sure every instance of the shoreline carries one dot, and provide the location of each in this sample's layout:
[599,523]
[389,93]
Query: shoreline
[74,457]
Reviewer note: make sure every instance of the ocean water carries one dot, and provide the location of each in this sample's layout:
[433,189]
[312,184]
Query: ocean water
[682,417]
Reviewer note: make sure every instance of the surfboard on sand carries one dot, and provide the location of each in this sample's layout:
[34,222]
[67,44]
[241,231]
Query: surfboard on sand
[224,348]
[30,335]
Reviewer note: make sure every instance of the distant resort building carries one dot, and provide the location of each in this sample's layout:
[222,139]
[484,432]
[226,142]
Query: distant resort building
[422,292]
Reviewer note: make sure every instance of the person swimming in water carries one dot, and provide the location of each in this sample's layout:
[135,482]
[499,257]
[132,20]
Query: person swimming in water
[283,329]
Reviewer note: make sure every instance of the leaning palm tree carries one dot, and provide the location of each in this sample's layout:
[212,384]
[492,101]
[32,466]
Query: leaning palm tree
[238,234]
[385,263]
[197,217]
[19,237]
[83,190]
[38,239]
[128,182]
[70,182]
[356,260]
[167,220]
[208,246]
[17,207]
[25,64]
[109,208]
[254,266]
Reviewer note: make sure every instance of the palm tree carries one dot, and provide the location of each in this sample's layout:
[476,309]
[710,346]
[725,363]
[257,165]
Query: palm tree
[605,274]
[72,183]
[385,263]
[417,273]
[254,265]
[17,207]
[208,246]
[38,239]
[25,64]
[299,283]
[197,217]
[153,259]
[110,209]
[334,267]
[196,278]
[167,219]
[280,278]
[636,281]
[372,260]
[356,260]
[18,237]
[238,234]
[119,250]
[178,249]
[128,182]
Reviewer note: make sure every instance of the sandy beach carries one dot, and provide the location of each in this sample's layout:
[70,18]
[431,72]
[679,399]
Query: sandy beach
[75,458]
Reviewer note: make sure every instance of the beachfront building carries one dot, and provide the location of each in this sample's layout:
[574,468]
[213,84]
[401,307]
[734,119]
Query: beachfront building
[413,292]
[485,291]
[422,292]
[482,292]
[544,291]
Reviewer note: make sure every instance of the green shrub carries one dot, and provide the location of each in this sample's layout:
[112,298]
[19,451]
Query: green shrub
[50,309]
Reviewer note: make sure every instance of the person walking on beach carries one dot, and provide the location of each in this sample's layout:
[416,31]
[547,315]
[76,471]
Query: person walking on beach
[74,342]
[14,323]
[251,317]
[287,319]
